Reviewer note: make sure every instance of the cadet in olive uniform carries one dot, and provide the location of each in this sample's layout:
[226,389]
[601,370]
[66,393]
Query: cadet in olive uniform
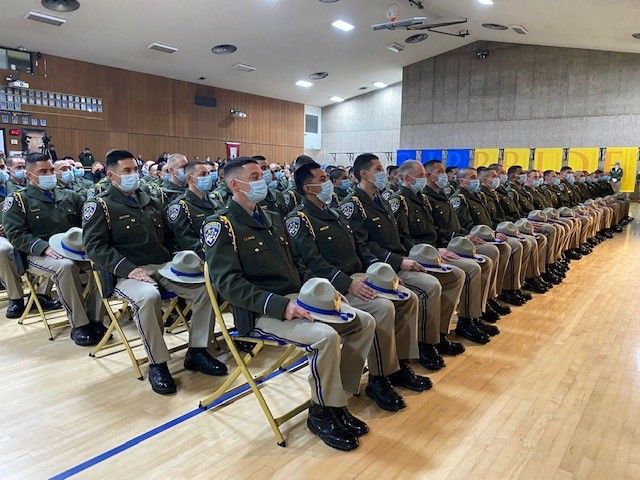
[371,218]
[251,265]
[221,194]
[31,217]
[326,244]
[17,174]
[274,201]
[176,185]
[341,183]
[186,214]
[416,225]
[78,173]
[124,236]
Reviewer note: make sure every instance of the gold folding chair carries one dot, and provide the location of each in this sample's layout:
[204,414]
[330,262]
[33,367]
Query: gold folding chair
[180,324]
[288,357]
[118,312]
[52,319]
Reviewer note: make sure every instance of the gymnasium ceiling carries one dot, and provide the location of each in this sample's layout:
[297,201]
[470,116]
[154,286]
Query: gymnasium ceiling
[286,40]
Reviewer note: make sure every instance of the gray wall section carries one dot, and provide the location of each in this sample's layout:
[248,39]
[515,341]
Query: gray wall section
[521,96]
[367,123]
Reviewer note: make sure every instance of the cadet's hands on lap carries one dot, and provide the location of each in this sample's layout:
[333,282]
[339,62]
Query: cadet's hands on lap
[139,274]
[411,266]
[475,240]
[447,254]
[293,311]
[360,290]
[49,252]
[501,236]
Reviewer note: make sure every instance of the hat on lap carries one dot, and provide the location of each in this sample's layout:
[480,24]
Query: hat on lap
[509,229]
[381,278]
[465,248]
[69,244]
[566,212]
[323,302]
[486,233]
[185,267]
[538,216]
[429,258]
[552,213]
[525,226]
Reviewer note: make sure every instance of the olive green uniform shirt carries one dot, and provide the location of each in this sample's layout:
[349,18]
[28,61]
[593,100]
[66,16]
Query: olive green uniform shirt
[185,216]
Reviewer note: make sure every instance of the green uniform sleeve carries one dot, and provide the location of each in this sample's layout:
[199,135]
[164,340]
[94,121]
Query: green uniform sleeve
[461,207]
[177,218]
[227,276]
[402,217]
[17,227]
[97,239]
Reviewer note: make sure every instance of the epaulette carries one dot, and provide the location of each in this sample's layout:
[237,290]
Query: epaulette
[358,203]
[21,202]
[395,202]
[103,204]
[224,219]
[184,204]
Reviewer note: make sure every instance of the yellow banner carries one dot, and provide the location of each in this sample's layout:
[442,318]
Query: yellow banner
[584,158]
[548,159]
[628,158]
[483,157]
[516,156]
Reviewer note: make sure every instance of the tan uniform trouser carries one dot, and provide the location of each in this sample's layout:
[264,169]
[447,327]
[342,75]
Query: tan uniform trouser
[491,252]
[527,253]
[452,284]
[473,297]
[429,293]
[145,302]
[552,236]
[396,333]
[511,253]
[536,264]
[66,275]
[8,272]
[334,371]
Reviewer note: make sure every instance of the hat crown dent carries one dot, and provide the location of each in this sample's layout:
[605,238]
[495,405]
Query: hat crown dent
[424,253]
[382,275]
[484,232]
[462,245]
[319,293]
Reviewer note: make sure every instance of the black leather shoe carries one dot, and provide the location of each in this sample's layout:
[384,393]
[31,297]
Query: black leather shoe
[618,228]
[593,241]
[607,233]
[510,297]
[526,296]
[573,254]
[48,303]
[533,286]
[84,336]
[380,390]
[447,347]
[15,309]
[160,379]
[490,315]
[99,329]
[490,330]
[600,237]
[199,360]
[498,307]
[429,357]
[323,422]
[544,283]
[467,329]
[551,278]
[353,424]
[582,250]
[406,378]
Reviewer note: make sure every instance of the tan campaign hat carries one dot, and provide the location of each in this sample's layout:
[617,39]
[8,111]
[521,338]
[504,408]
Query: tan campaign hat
[383,280]
[486,233]
[509,229]
[185,267]
[465,248]
[429,258]
[525,226]
[566,212]
[69,244]
[538,216]
[323,302]
[552,213]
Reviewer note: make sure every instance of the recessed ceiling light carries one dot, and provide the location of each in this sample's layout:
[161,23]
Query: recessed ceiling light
[319,75]
[494,26]
[61,5]
[224,49]
[379,84]
[243,67]
[304,83]
[636,35]
[417,38]
[486,2]
[342,25]
[337,99]
[395,47]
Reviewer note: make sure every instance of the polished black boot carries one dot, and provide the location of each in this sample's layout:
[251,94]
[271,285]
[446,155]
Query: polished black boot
[406,378]
[48,304]
[511,297]
[490,330]
[549,277]
[380,390]
[15,309]
[490,315]
[324,423]
[429,357]
[526,296]
[498,307]
[533,286]
[200,360]
[447,347]
[466,328]
[84,336]
[356,426]
[160,379]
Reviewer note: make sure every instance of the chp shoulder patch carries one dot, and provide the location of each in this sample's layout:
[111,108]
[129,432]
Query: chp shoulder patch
[387,194]
[211,232]
[8,202]
[88,210]
[173,212]
[394,203]
[347,209]
[293,226]
[287,199]
[455,202]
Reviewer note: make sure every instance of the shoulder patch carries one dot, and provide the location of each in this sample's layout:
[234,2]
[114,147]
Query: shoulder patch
[88,210]
[287,199]
[394,203]
[173,211]
[211,232]
[293,226]
[8,202]
[347,209]
[91,192]
[455,202]
[387,194]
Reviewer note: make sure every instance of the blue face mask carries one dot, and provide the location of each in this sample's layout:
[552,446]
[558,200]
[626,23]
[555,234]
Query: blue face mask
[495,183]
[474,185]
[571,178]
[78,172]
[145,172]
[522,178]
[180,175]
[504,179]
[204,184]
[418,185]
[345,184]
[47,182]
[166,177]
[214,176]
[380,180]
[129,183]
[268,176]
[4,176]
[279,175]
[258,191]
[66,177]
[555,181]
[326,194]
[20,174]
[442,181]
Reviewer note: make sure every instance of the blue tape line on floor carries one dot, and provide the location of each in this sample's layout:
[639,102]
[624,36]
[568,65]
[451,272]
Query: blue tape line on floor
[166,426]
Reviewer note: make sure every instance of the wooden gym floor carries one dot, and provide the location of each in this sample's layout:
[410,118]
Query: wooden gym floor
[555,396]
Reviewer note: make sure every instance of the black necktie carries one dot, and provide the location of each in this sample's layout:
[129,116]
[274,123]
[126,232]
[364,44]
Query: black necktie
[378,201]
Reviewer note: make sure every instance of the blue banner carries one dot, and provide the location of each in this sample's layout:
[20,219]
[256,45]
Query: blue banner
[431,155]
[404,155]
[460,158]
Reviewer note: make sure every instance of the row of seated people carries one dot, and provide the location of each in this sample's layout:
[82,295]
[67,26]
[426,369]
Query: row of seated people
[390,272]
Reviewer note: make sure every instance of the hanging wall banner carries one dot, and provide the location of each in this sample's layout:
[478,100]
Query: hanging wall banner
[483,157]
[628,158]
[548,159]
[459,158]
[404,155]
[516,156]
[584,158]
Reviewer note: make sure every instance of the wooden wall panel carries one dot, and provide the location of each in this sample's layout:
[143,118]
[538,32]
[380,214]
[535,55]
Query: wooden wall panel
[149,114]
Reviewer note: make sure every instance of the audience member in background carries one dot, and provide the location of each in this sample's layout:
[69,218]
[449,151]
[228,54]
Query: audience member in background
[17,173]
[63,170]
[86,158]
[96,173]
[78,173]
[176,184]
[616,174]
[274,201]
[394,184]
[452,173]
[280,176]
[221,194]
[341,183]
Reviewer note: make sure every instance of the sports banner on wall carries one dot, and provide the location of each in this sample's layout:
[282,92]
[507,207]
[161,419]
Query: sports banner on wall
[426,155]
[404,155]
[628,158]
[459,158]
[548,159]
[584,158]
[483,157]
[516,156]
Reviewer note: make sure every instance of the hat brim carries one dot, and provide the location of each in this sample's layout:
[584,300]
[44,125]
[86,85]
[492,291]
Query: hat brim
[55,242]
[169,275]
[344,308]
[444,268]
[390,296]
[477,258]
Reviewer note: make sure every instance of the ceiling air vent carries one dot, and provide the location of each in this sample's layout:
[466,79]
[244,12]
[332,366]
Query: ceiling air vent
[395,47]
[494,26]
[417,38]
[42,18]
[519,29]
[224,49]
[241,67]
[61,5]
[318,75]
[162,48]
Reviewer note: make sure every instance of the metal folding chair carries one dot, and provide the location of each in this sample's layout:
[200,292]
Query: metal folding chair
[52,319]
[288,357]
[118,312]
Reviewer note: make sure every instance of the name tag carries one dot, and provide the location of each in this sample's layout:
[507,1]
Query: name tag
[246,239]
[34,210]
[326,227]
[375,219]
[123,217]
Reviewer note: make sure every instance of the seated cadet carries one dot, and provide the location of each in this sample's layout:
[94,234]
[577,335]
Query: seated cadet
[471,211]
[63,170]
[221,194]
[186,214]
[78,173]
[176,184]
[341,183]
[372,219]
[17,173]
[417,226]
[274,201]
[124,236]
[451,188]
[327,246]
[279,176]
[31,217]
[394,184]
[252,265]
